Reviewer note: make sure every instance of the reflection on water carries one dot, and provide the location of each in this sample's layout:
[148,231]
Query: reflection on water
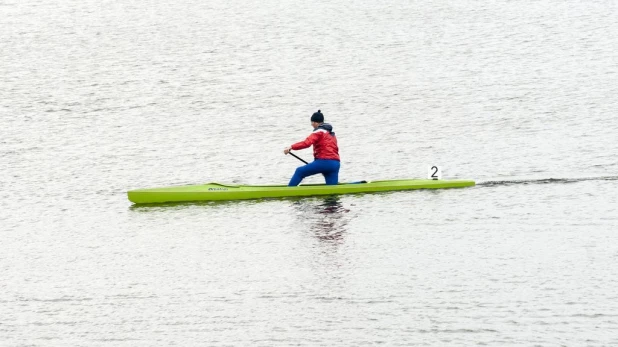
[326,217]
[166,206]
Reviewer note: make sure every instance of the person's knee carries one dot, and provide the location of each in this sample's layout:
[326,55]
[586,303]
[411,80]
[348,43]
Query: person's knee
[331,179]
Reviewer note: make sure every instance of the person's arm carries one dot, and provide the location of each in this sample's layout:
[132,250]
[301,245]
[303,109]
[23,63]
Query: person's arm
[310,140]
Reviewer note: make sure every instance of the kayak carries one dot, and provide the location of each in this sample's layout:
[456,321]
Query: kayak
[218,191]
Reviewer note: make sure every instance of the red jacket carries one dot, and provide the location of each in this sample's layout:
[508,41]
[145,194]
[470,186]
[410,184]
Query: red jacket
[324,143]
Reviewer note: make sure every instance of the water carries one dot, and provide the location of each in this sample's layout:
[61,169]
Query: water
[97,98]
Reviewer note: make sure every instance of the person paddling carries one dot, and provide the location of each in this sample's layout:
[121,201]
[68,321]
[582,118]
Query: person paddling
[325,152]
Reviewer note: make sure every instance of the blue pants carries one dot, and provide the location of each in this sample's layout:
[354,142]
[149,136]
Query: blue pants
[328,168]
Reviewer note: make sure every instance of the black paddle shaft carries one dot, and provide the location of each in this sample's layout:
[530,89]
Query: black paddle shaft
[301,159]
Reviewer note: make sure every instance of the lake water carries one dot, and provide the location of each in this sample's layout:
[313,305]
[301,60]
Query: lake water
[100,97]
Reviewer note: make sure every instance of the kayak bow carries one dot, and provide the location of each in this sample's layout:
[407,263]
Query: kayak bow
[217,191]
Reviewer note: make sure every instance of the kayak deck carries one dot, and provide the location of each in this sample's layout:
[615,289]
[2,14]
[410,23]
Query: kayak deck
[217,191]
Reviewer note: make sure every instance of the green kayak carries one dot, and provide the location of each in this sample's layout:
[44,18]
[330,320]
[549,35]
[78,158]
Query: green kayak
[217,191]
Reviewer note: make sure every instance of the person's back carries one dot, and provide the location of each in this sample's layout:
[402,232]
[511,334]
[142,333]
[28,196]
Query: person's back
[325,147]
[325,152]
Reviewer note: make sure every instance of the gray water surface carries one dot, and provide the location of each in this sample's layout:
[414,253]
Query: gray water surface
[97,98]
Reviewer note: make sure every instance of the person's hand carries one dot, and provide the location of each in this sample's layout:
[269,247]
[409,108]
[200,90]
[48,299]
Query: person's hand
[287,150]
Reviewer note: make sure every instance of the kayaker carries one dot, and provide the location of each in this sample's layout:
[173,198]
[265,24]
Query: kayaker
[325,152]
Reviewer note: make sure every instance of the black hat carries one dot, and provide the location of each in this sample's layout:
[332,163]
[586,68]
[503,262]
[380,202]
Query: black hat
[317,117]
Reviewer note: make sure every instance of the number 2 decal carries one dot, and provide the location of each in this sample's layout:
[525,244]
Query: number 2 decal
[434,172]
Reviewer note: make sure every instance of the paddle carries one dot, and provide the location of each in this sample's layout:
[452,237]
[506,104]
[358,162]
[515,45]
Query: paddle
[301,159]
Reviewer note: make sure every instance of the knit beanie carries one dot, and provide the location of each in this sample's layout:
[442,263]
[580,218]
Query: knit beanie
[317,117]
